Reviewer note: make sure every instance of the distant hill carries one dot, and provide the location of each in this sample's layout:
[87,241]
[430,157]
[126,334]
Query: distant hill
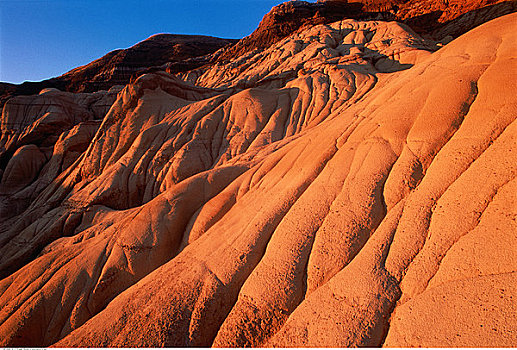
[118,66]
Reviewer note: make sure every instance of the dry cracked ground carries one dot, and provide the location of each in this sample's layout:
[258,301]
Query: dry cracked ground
[352,185]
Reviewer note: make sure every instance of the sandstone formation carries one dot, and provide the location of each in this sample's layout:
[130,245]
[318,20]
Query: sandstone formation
[349,185]
[181,52]
[117,67]
[38,129]
[438,20]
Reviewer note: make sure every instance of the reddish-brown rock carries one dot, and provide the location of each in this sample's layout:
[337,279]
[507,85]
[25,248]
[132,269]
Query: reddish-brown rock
[172,51]
[22,169]
[441,20]
[437,19]
[117,67]
[347,186]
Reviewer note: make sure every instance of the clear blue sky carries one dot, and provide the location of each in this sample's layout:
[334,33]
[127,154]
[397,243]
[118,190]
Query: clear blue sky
[40,39]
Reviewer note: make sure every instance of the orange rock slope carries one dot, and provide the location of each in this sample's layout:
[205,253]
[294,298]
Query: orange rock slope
[349,186]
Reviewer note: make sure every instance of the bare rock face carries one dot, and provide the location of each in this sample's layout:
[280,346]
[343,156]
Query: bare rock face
[117,67]
[39,139]
[22,169]
[176,52]
[475,16]
[436,19]
[40,119]
[284,20]
[347,186]
[441,20]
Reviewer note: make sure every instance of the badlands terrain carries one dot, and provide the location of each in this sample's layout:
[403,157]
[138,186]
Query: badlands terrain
[344,176]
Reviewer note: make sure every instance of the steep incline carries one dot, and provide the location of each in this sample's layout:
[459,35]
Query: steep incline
[41,136]
[341,188]
[445,19]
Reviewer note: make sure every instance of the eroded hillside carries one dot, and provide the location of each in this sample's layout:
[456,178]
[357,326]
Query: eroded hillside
[350,185]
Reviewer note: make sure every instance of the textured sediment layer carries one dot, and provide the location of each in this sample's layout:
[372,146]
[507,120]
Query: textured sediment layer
[348,186]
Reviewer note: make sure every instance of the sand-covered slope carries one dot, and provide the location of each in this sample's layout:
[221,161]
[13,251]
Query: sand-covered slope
[347,186]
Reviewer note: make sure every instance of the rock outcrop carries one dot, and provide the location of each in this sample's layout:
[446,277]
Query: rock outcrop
[441,20]
[37,131]
[41,119]
[349,185]
[117,67]
[438,20]
[279,199]
[174,52]
[22,169]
